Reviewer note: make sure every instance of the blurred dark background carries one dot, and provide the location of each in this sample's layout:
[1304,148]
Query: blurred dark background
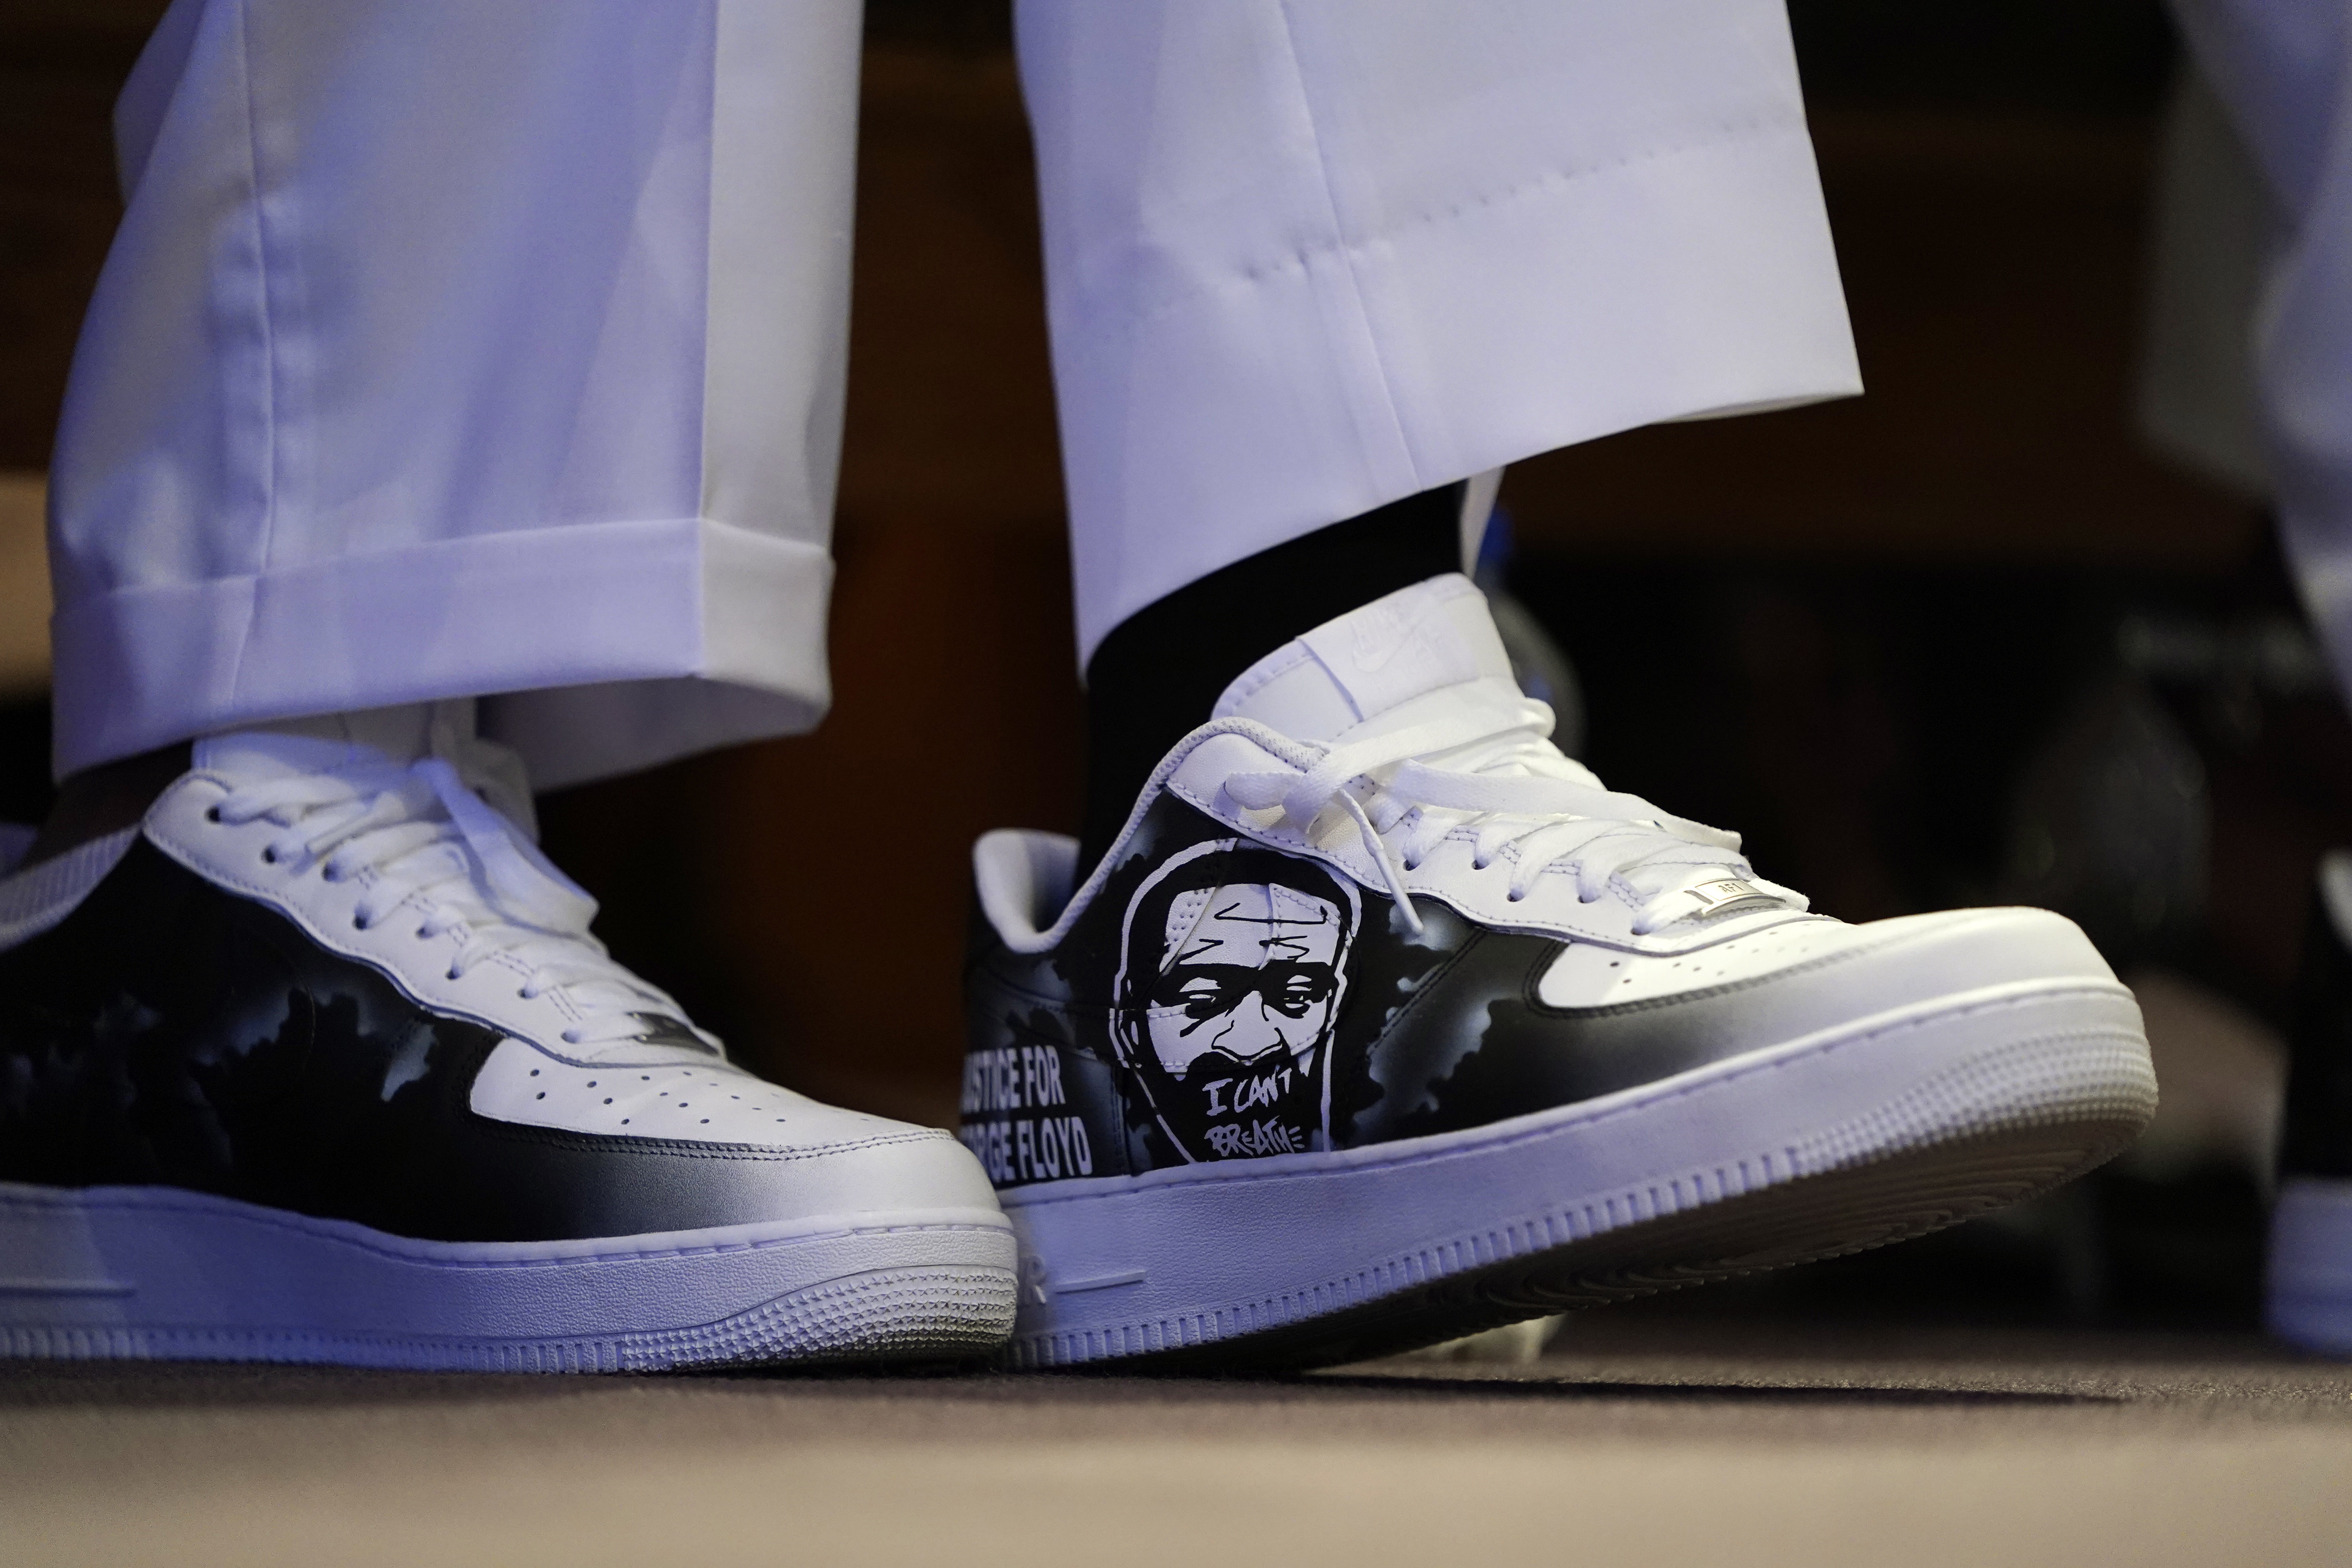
[1965,638]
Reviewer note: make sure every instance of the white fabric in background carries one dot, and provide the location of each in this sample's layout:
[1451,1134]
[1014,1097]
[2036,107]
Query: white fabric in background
[2283,70]
[452,349]
[2215,225]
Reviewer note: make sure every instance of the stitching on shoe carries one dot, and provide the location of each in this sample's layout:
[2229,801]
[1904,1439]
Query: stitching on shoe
[1728,987]
[603,1143]
[1566,1117]
[247,1213]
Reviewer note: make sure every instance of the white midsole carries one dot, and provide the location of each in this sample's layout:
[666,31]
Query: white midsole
[164,1258]
[1586,1113]
[1115,1264]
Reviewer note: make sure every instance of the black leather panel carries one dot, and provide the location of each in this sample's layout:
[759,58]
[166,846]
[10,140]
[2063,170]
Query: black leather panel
[170,1033]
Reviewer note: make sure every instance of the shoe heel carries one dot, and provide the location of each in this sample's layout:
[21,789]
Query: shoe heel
[59,1294]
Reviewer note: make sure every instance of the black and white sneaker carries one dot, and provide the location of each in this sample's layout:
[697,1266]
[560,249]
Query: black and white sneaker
[2308,1300]
[321,1062]
[1383,1022]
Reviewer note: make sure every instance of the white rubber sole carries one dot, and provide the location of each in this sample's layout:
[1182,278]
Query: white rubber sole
[2309,1300]
[1885,1128]
[159,1272]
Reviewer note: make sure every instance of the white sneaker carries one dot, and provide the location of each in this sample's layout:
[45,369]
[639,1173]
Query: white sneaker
[1383,1022]
[321,1062]
[2309,1297]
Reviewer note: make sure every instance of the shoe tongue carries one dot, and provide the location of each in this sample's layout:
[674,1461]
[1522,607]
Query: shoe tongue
[332,741]
[1417,640]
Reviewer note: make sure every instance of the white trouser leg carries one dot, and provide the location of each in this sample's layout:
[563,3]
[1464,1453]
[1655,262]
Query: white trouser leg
[401,382]
[1306,257]
[2283,69]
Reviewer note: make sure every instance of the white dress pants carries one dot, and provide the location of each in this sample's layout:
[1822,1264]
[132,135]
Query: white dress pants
[2283,69]
[452,348]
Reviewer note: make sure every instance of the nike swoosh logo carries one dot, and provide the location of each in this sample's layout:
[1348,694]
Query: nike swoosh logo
[1376,644]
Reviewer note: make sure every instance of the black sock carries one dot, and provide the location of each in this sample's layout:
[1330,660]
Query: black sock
[1154,679]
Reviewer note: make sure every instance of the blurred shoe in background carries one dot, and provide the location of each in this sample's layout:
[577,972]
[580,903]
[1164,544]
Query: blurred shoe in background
[2310,1275]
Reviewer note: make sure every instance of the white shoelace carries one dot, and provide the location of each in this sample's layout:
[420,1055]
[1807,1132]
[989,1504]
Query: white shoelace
[421,840]
[1487,765]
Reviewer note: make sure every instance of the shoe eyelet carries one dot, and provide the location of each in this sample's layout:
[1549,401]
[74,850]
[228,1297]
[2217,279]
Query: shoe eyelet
[1514,897]
[1480,865]
[211,813]
[270,855]
[357,924]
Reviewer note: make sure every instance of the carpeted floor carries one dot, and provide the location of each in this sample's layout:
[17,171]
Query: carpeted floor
[1636,1440]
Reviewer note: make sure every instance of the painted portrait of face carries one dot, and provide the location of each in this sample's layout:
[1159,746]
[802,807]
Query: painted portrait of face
[1249,971]
[1233,970]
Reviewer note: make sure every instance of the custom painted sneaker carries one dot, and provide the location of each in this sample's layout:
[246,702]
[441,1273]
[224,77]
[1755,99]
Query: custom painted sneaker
[321,1062]
[2309,1296]
[1383,1022]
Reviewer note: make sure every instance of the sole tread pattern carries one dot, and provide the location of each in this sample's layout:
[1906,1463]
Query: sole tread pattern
[932,1313]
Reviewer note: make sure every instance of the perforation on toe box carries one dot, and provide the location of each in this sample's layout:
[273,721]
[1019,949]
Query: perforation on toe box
[698,1103]
[1590,975]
